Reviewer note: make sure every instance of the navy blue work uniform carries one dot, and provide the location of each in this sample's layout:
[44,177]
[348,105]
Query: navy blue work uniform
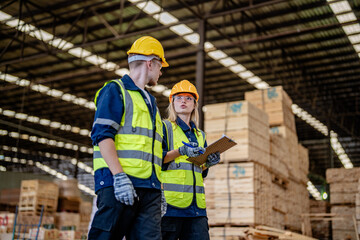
[114,220]
[190,223]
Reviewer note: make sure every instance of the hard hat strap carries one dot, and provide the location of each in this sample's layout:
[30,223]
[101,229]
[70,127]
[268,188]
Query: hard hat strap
[139,57]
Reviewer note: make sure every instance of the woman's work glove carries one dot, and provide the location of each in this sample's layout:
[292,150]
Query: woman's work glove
[163,204]
[212,159]
[192,151]
[123,189]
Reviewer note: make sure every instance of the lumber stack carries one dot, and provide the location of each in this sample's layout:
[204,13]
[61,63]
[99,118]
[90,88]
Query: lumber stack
[344,185]
[35,195]
[245,124]
[358,207]
[257,233]
[262,180]
[320,227]
[238,194]
[289,160]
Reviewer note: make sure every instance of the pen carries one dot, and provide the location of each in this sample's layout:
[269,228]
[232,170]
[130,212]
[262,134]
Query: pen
[191,146]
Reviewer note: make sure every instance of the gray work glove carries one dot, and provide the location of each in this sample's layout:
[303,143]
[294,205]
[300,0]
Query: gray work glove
[193,151]
[212,159]
[163,204]
[123,189]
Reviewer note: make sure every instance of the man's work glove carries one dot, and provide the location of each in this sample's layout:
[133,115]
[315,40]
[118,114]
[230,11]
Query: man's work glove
[163,204]
[123,189]
[192,151]
[212,159]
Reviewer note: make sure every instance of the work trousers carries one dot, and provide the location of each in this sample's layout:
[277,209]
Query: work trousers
[185,228]
[114,220]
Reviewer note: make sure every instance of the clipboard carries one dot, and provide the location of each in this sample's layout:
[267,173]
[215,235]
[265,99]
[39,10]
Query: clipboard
[220,145]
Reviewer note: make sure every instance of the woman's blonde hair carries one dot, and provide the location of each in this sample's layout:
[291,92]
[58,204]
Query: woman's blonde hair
[172,115]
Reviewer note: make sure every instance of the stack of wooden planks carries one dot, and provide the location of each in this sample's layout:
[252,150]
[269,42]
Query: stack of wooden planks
[245,124]
[289,159]
[344,185]
[257,233]
[320,227]
[262,180]
[35,195]
[358,207]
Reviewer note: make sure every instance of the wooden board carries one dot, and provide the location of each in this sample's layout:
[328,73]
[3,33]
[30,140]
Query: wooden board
[225,125]
[234,110]
[342,175]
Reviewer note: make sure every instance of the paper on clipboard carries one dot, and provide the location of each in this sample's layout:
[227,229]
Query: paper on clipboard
[221,145]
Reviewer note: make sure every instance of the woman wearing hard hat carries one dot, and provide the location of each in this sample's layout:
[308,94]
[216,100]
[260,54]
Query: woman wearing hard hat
[183,187]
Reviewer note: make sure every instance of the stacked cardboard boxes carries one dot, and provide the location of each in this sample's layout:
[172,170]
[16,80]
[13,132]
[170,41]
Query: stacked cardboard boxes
[344,185]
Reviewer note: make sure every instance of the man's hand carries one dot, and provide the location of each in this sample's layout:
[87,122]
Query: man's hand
[193,151]
[123,189]
[212,159]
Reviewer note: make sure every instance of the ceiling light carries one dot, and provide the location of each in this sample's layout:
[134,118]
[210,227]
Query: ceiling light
[167,92]
[181,29]
[227,61]
[351,29]
[208,46]
[245,74]
[237,68]
[340,7]
[165,18]
[218,54]
[357,47]
[9,113]
[79,52]
[347,17]
[158,88]
[149,7]
[354,38]
[122,71]
[253,80]
[261,85]
[193,38]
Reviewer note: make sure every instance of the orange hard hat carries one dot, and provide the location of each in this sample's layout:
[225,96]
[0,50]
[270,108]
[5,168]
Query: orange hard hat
[184,86]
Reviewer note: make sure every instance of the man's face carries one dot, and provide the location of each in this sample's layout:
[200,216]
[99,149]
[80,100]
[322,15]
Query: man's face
[155,72]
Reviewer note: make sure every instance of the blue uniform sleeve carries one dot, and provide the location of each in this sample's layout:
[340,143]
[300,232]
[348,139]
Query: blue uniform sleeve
[110,109]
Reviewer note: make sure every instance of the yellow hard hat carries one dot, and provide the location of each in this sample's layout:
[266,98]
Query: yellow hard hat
[148,46]
[184,86]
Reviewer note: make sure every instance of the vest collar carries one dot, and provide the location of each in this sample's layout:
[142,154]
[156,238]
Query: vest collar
[184,126]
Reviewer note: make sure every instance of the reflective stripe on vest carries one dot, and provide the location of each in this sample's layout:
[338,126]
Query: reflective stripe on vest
[134,143]
[179,182]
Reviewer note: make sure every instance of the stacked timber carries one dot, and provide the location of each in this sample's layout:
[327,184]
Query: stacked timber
[320,227]
[245,124]
[344,185]
[358,207]
[289,160]
[238,191]
[257,233]
[37,197]
[238,194]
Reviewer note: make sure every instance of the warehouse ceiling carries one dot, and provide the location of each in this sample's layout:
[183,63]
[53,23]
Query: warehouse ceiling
[49,78]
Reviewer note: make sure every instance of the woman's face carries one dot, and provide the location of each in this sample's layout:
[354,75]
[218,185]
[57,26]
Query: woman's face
[184,103]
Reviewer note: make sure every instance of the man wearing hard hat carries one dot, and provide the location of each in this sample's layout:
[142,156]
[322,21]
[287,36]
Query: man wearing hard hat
[127,136]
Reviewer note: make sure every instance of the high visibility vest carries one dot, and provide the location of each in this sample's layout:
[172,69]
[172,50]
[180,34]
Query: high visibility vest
[183,180]
[138,141]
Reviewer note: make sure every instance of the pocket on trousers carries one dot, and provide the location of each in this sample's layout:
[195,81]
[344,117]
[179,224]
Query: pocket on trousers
[105,218]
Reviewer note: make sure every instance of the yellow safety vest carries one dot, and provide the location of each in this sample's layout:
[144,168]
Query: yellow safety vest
[182,179]
[138,141]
